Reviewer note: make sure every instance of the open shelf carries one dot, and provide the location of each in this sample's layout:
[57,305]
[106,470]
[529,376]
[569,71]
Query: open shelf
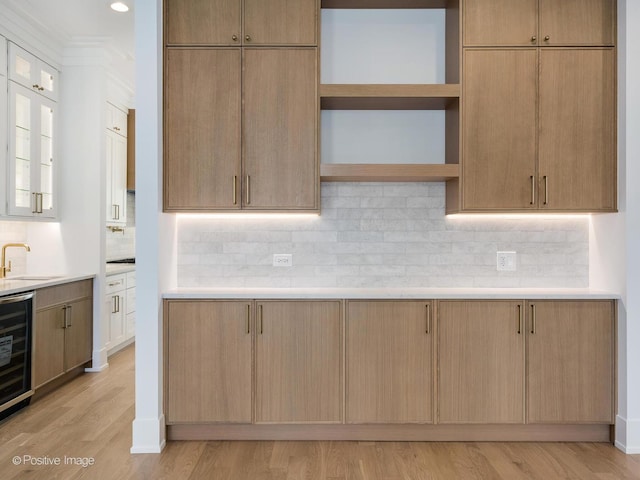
[384,3]
[352,172]
[387,97]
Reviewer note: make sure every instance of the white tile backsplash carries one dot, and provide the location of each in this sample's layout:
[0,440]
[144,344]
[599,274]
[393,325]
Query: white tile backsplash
[15,232]
[382,235]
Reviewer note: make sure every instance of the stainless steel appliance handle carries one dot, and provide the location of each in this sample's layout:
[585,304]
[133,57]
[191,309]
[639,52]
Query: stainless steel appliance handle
[16,298]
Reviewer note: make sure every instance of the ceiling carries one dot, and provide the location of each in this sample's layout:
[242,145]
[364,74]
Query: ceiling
[80,21]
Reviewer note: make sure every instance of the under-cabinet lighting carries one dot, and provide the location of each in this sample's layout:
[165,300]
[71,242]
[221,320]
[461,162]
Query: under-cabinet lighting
[516,216]
[119,7]
[247,216]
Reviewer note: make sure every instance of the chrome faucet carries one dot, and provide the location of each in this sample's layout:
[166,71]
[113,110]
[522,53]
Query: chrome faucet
[4,269]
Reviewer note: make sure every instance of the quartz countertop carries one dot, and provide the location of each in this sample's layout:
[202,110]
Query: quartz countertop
[11,285]
[391,293]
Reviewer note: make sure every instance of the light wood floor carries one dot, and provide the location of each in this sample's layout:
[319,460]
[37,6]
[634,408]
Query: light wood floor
[91,417]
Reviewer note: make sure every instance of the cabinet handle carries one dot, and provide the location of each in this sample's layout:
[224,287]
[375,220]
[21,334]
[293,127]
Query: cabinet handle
[35,203]
[533,38]
[235,188]
[428,320]
[533,319]
[533,190]
[248,318]
[234,38]
[248,186]
[247,38]
[117,212]
[41,202]
[68,323]
[118,302]
[64,316]
[546,189]
[546,38]
[36,86]
[519,319]
[260,317]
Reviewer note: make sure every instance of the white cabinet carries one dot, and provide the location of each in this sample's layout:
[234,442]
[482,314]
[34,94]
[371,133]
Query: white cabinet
[130,321]
[120,304]
[116,151]
[3,121]
[32,134]
[32,73]
[116,306]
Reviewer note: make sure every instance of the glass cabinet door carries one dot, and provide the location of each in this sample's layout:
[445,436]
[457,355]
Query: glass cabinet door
[32,73]
[46,158]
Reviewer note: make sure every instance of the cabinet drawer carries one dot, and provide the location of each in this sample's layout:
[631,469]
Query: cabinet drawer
[46,297]
[116,120]
[115,283]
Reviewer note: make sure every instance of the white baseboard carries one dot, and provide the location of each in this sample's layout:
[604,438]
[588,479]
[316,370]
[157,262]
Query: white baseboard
[149,435]
[99,361]
[628,435]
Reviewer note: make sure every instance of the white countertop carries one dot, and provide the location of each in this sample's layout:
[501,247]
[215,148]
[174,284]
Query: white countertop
[391,293]
[9,286]
[117,268]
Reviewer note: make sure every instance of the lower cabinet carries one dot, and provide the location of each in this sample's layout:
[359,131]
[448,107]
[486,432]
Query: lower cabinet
[570,362]
[208,361]
[481,362]
[495,370]
[298,362]
[389,362]
[63,330]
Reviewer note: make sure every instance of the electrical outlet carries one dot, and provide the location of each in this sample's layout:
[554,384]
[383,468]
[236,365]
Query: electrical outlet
[282,260]
[506,261]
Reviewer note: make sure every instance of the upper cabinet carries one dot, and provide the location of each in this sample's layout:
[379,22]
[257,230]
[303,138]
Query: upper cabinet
[33,113]
[539,23]
[116,151]
[241,22]
[3,121]
[32,73]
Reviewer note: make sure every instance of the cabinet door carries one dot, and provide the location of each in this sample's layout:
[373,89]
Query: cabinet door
[116,306]
[499,140]
[32,171]
[280,129]
[116,150]
[208,361]
[500,22]
[481,362]
[202,129]
[577,22]
[48,345]
[577,139]
[203,22]
[32,73]
[298,362]
[280,22]
[389,363]
[78,340]
[570,362]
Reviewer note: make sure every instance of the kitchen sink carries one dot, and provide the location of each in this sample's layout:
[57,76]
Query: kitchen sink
[35,278]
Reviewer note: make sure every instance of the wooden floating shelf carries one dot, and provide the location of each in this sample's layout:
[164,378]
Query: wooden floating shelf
[384,3]
[354,172]
[388,97]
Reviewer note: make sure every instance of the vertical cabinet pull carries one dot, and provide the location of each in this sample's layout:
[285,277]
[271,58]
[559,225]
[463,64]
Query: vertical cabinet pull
[519,319]
[248,187]
[69,307]
[546,190]
[428,320]
[64,317]
[35,203]
[235,190]
[533,319]
[533,190]
[260,317]
[248,319]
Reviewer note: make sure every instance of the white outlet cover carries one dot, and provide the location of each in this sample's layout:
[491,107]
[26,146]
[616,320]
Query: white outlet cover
[506,261]
[282,260]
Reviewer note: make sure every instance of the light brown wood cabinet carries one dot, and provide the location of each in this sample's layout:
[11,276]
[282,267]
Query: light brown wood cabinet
[63,330]
[298,357]
[241,129]
[241,22]
[389,362]
[481,362]
[539,130]
[539,22]
[208,361]
[570,361]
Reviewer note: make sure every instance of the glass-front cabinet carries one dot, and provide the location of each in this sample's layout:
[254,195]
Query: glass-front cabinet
[32,136]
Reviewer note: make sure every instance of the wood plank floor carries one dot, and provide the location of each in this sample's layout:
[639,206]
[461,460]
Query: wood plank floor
[91,417]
